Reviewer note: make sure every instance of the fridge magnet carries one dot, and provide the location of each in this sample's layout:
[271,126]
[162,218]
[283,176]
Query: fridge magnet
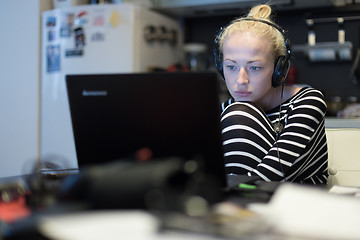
[98,20]
[98,37]
[51,22]
[51,35]
[67,21]
[79,37]
[114,19]
[65,32]
[79,43]
[81,18]
[74,52]
[53,58]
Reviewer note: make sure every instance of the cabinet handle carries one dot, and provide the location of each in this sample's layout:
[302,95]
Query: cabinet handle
[332,171]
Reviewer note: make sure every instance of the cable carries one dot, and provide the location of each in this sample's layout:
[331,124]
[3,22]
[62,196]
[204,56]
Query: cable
[278,128]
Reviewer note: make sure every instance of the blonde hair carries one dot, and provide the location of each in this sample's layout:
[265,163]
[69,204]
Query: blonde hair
[259,28]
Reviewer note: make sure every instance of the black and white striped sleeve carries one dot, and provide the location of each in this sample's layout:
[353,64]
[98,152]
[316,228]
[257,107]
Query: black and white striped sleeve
[301,144]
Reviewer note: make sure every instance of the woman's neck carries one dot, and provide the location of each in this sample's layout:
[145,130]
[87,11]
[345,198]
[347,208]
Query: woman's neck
[274,99]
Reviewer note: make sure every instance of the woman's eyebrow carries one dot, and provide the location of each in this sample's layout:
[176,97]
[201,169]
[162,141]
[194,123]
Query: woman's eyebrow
[227,59]
[256,60]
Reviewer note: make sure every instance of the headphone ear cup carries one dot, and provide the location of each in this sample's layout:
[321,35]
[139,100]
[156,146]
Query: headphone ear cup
[281,70]
[218,57]
[218,61]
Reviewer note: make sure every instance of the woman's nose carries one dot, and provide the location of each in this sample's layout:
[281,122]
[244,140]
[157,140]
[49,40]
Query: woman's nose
[242,76]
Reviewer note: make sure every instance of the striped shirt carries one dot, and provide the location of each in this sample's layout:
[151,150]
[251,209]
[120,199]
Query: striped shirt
[296,153]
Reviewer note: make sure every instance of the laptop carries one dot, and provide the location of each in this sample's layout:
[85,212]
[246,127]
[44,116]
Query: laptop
[117,116]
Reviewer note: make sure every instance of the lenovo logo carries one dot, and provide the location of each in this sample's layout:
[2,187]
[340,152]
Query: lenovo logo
[90,93]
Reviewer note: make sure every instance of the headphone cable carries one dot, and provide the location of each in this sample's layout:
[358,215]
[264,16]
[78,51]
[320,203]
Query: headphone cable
[278,129]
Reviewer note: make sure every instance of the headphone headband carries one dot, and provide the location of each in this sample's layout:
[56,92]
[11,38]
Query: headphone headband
[274,25]
[282,64]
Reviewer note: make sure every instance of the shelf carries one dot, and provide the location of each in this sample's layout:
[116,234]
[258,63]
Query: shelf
[326,51]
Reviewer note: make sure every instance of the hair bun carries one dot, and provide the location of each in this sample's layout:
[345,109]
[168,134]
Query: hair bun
[260,11]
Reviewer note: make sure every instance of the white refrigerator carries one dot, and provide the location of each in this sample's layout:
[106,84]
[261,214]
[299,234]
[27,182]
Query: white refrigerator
[103,38]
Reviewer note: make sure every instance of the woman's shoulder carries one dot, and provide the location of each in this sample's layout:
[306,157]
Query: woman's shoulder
[226,103]
[301,93]
[308,98]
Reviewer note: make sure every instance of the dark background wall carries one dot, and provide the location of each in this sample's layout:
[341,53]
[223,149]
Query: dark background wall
[332,78]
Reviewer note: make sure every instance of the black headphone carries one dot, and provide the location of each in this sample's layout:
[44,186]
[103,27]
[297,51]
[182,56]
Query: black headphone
[282,64]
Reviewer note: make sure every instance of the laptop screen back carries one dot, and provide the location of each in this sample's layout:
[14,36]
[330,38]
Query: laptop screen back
[167,114]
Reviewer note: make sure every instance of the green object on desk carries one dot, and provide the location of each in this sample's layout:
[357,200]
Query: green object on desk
[247,186]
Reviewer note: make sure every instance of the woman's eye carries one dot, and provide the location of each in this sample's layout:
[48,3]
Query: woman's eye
[254,68]
[231,67]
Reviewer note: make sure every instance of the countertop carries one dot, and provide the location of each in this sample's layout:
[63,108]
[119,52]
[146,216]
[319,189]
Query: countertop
[333,122]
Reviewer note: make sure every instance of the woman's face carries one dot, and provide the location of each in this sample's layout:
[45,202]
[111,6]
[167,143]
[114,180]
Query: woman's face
[248,67]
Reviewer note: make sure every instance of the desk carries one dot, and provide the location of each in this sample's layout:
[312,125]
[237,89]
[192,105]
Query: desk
[294,212]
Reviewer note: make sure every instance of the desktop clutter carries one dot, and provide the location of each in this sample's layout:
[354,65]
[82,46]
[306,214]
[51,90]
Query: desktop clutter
[173,198]
[178,193]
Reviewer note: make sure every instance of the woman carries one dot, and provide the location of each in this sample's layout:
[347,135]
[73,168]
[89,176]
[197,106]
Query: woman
[274,131]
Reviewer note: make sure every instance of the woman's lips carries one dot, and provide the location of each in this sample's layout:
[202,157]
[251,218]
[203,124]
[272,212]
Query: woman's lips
[243,93]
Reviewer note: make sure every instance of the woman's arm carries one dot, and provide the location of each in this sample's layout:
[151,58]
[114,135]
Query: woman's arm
[301,142]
